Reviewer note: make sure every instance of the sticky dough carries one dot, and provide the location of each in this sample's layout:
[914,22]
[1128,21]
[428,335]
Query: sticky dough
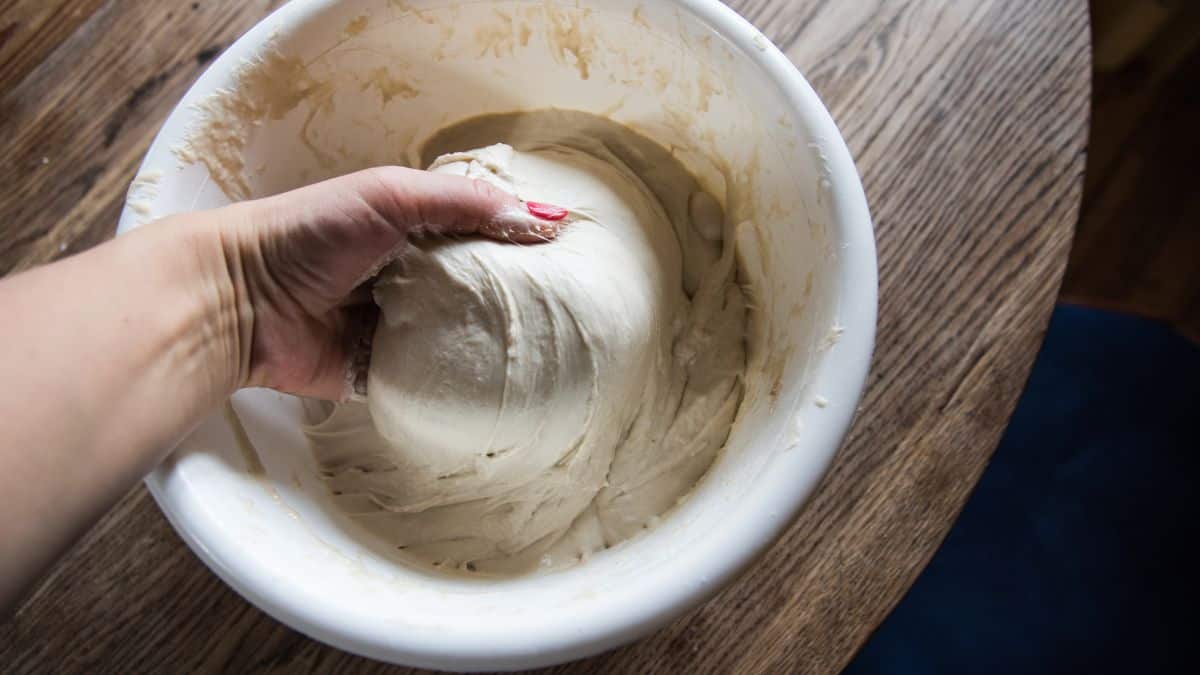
[530,405]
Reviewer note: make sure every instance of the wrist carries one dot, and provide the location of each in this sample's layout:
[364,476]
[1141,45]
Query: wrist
[204,318]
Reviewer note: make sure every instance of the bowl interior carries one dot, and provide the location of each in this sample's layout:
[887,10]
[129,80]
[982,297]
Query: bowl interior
[322,88]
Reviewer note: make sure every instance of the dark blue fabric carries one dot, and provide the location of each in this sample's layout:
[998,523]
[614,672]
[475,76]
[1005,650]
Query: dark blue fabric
[1070,557]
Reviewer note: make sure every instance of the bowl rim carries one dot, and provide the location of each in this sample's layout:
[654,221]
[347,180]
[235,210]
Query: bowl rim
[840,376]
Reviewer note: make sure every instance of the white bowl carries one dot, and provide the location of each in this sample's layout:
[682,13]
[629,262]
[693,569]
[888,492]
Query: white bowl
[692,75]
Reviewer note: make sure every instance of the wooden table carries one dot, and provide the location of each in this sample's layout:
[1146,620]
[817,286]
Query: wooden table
[968,119]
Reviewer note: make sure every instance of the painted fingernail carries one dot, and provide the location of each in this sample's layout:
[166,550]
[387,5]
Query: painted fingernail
[522,226]
[546,211]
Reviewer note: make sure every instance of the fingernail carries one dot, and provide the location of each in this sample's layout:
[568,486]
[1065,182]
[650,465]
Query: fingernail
[546,211]
[525,226]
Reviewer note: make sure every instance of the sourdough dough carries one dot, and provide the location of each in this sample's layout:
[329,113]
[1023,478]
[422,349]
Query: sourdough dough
[530,405]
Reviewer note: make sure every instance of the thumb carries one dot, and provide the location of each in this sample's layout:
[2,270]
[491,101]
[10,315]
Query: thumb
[448,204]
[344,230]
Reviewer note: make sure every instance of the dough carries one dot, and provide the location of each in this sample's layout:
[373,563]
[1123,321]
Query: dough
[530,405]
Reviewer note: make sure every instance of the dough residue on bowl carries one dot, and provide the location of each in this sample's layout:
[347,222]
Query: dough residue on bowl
[528,406]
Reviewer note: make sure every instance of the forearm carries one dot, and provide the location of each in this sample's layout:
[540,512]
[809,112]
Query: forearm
[110,357]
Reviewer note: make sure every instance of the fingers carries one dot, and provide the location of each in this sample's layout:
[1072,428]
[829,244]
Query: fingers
[358,337]
[327,359]
[446,204]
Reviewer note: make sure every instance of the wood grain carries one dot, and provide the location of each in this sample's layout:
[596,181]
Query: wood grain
[968,120]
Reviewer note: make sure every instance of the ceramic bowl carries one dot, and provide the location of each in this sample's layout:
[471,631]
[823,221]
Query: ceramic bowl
[363,82]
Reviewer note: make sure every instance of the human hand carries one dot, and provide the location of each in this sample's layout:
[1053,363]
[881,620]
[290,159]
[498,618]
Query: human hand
[290,269]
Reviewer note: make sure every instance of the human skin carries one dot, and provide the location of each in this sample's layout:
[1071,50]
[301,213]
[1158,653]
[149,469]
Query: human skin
[112,356]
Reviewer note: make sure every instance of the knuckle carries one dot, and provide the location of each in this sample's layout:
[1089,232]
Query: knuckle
[484,191]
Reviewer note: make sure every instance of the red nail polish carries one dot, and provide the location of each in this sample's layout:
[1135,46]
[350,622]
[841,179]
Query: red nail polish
[546,211]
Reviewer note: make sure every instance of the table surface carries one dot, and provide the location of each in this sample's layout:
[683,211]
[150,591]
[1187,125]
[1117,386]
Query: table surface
[968,120]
